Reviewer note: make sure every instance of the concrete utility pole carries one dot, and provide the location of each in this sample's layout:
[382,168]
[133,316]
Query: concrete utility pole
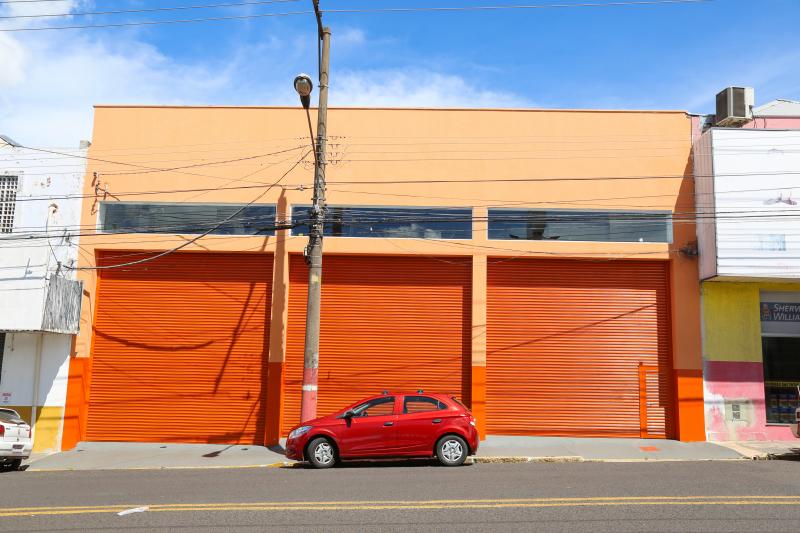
[308,409]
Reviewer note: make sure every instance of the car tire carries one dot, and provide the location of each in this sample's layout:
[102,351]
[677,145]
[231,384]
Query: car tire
[451,450]
[321,453]
[11,466]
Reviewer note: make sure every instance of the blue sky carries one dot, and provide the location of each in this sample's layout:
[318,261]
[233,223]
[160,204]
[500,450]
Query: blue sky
[641,57]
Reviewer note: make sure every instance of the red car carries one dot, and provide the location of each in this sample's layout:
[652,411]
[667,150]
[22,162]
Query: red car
[388,426]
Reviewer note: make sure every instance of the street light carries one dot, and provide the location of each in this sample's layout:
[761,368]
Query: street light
[313,255]
[303,85]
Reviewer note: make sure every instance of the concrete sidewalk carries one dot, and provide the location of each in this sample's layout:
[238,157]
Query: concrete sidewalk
[123,455]
[601,449]
[137,455]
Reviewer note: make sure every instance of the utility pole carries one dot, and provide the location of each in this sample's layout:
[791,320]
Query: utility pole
[308,409]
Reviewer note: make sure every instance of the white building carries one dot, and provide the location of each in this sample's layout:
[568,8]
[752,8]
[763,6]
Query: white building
[747,186]
[39,297]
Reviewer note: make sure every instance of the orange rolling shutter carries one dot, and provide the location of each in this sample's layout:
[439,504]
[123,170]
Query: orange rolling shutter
[578,348]
[395,323]
[180,349]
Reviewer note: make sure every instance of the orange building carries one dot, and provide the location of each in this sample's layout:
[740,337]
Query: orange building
[532,262]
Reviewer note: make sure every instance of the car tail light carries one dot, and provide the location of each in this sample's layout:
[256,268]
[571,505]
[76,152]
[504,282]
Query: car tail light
[2,430]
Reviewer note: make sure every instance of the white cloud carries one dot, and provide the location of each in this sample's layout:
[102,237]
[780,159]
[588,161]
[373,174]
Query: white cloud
[50,80]
[413,87]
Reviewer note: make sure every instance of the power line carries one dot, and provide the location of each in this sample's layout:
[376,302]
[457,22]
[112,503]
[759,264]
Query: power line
[197,238]
[513,7]
[156,22]
[353,11]
[146,10]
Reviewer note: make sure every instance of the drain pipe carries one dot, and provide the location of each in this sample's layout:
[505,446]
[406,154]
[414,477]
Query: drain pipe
[37,370]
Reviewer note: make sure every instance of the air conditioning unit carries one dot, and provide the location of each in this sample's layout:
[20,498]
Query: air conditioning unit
[735,106]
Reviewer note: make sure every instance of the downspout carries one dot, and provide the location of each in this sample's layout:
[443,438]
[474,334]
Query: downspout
[37,370]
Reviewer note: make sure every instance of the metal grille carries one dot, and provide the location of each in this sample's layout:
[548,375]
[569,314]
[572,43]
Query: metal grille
[8,198]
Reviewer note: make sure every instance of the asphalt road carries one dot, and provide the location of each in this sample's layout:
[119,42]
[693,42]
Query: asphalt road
[698,496]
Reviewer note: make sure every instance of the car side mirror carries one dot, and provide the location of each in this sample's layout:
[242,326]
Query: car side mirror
[347,415]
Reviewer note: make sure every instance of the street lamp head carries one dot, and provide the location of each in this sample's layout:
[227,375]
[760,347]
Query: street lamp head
[303,85]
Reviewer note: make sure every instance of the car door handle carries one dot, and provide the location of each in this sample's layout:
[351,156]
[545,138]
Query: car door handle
[437,420]
[388,423]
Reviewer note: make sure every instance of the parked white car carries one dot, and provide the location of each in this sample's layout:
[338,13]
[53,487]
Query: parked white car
[15,439]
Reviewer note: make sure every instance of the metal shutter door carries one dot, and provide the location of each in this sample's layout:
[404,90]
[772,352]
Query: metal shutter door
[180,349]
[395,323]
[578,348]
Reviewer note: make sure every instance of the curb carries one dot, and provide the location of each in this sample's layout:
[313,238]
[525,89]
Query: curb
[281,464]
[523,459]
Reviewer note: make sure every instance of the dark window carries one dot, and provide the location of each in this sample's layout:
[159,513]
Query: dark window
[2,350]
[382,406]
[394,222]
[129,217]
[421,404]
[573,225]
[781,377]
[8,202]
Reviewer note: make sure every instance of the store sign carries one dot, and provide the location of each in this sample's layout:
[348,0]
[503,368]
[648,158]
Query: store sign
[780,312]
[5,398]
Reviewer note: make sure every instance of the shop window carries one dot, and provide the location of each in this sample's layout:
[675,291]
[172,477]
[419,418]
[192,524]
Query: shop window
[780,343]
[574,225]
[8,202]
[390,222]
[130,217]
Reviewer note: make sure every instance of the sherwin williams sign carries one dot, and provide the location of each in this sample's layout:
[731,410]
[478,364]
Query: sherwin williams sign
[780,312]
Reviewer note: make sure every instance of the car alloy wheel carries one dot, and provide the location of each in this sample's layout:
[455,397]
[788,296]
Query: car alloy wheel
[452,450]
[322,453]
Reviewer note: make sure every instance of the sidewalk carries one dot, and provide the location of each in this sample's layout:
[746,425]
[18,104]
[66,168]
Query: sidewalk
[124,455]
[600,449]
[137,455]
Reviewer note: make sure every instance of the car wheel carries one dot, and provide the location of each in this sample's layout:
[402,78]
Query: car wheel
[451,450]
[11,466]
[321,453]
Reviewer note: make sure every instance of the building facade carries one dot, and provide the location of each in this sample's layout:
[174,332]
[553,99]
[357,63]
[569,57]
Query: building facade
[536,264]
[39,297]
[749,234]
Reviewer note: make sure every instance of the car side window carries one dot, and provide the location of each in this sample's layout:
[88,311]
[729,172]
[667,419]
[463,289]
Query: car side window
[421,404]
[382,406]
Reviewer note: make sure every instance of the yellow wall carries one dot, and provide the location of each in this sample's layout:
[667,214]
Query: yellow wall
[731,319]
[47,428]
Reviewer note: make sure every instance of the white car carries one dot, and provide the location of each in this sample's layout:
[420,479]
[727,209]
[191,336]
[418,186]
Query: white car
[15,439]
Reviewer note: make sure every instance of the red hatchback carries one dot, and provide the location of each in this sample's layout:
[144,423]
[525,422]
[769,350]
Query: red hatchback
[388,426]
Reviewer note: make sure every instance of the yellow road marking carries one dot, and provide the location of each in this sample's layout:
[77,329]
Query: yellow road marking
[414,505]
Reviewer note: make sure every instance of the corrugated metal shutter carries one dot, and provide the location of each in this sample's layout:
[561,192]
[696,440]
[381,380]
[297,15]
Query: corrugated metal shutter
[565,343]
[180,349]
[396,323]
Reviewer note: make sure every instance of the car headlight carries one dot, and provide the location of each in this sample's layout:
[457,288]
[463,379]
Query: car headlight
[302,430]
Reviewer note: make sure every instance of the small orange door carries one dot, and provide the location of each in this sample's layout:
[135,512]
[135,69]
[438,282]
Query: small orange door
[388,323]
[578,348]
[180,349]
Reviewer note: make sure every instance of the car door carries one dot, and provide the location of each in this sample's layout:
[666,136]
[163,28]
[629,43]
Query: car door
[370,432]
[418,423]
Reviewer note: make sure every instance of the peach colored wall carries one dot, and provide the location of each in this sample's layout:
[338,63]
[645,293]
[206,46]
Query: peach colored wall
[389,146]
